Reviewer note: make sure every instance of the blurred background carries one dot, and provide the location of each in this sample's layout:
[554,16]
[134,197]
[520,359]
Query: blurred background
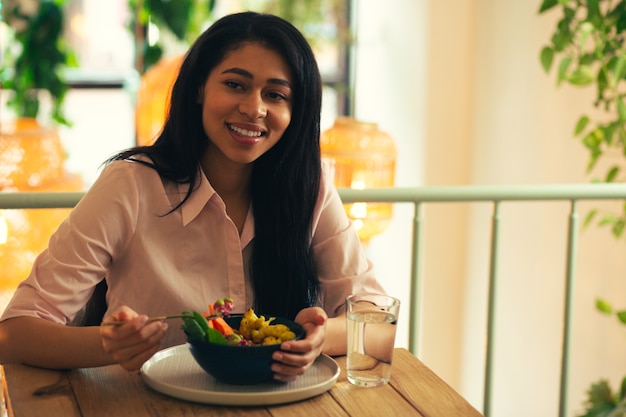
[459,87]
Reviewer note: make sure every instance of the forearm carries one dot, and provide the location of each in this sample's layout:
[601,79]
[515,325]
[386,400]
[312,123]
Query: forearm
[41,343]
[335,343]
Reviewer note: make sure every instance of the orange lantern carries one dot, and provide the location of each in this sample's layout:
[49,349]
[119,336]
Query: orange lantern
[361,156]
[31,160]
[153,98]
[30,155]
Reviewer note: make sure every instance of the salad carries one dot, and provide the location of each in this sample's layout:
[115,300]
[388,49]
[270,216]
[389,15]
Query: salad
[253,329]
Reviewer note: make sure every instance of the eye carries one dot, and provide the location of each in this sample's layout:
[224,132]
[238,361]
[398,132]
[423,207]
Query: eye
[277,96]
[233,84]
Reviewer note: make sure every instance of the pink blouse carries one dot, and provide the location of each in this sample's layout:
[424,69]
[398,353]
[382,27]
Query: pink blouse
[165,264]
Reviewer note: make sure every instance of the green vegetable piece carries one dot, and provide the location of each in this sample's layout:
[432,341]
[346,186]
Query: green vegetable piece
[197,327]
[201,321]
[192,329]
[214,336]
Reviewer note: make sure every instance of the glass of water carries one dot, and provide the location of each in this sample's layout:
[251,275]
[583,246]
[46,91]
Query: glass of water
[372,321]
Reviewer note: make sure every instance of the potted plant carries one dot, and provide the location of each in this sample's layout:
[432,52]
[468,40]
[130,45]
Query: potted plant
[32,157]
[35,57]
[588,49]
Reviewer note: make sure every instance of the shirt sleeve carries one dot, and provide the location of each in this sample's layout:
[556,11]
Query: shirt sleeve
[79,253]
[341,263]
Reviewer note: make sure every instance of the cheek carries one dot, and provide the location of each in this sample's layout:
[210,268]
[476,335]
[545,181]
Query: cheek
[283,118]
[212,110]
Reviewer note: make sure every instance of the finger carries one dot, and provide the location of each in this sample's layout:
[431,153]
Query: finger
[122,313]
[313,342]
[135,362]
[283,372]
[296,359]
[127,330]
[144,339]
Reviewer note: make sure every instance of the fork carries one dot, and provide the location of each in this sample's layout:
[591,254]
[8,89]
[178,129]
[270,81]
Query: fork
[161,318]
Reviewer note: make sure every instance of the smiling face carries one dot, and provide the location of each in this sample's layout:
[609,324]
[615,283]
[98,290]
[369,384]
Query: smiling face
[246,104]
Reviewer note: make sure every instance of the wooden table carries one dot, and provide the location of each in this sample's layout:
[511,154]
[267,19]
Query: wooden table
[414,390]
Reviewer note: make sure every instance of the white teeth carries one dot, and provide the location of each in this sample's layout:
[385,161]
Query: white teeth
[244,132]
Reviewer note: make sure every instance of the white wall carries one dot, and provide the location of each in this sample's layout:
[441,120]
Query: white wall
[459,85]
[385,71]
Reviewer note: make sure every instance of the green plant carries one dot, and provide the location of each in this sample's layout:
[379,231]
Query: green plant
[183,19]
[603,402]
[605,307]
[35,56]
[589,45]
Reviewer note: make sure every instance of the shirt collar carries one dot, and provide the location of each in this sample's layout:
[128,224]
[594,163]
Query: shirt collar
[197,200]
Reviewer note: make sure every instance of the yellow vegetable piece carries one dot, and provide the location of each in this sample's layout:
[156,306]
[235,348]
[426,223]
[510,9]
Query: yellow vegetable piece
[260,331]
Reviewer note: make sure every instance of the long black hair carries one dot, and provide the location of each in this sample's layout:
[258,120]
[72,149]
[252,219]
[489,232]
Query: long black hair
[285,180]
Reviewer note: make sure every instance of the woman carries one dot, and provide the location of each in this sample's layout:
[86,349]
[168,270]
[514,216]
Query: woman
[231,200]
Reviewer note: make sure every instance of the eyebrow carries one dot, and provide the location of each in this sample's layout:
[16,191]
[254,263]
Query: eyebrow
[248,74]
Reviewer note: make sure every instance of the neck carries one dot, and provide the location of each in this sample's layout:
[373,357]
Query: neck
[226,177]
[232,182]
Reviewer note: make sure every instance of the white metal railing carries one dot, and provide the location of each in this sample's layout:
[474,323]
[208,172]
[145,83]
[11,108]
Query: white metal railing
[418,196]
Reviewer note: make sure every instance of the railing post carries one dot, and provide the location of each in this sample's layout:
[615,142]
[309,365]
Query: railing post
[572,240]
[491,307]
[415,304]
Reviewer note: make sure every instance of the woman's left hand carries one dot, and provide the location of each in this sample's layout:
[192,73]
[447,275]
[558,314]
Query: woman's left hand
[296,356]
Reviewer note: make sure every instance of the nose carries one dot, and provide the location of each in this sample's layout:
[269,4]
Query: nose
[253,106]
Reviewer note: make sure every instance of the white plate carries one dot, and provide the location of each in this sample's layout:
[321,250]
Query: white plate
[173,371]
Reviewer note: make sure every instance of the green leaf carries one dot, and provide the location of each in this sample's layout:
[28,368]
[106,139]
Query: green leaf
[563,67]
[581,125]
[619,69]
[589,218]
[175,15]
[603,306]
[602,84]
[581,76]
[622,391]
[586,28]
[618,229]
[600,397]
[610,176]
[606,220]
[593,158]
[593,10]
[609,131]
[619,13]
[621,109]
[547,5]
[593,139]
[547,56]
[621,315]
[587,59]
[563,36]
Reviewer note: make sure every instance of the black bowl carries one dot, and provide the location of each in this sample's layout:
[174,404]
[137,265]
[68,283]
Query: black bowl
[239,365]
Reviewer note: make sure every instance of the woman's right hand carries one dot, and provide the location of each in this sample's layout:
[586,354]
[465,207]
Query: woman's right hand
[134,342]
